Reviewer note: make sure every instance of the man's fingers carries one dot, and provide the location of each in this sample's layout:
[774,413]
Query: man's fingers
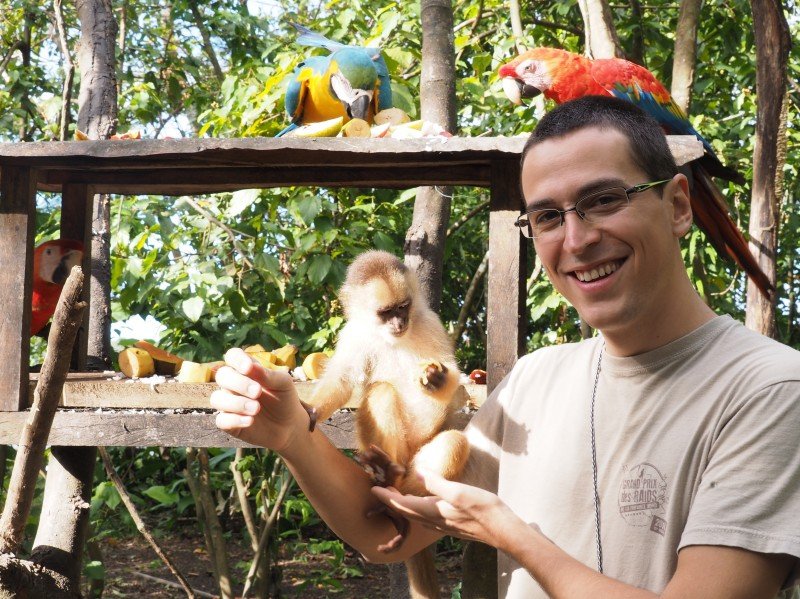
[237,382]
[439,486]
[233,423]
[225,401]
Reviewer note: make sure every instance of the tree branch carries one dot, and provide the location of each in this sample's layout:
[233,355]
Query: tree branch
[140,525]
[69,74]
[460,222]
[469,298]
[30,456]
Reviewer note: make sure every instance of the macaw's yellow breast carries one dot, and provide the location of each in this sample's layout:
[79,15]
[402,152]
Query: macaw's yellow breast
[320,103]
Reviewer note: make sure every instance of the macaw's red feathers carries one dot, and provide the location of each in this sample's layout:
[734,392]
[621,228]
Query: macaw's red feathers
[562,76]
[52,262]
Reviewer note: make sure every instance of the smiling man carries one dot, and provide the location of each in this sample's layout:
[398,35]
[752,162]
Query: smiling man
[658,459]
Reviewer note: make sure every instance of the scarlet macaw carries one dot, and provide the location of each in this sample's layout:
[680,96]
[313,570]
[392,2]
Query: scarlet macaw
[351,82]
[562,76]
[52,262]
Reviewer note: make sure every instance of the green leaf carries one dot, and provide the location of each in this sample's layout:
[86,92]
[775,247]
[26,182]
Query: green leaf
[318,268]
[193,308]
[241,201]
[161,495]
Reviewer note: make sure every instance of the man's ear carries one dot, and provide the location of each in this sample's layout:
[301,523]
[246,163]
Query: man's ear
[677,192]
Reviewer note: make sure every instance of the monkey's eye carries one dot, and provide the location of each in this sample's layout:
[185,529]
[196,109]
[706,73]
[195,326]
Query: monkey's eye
[404,305]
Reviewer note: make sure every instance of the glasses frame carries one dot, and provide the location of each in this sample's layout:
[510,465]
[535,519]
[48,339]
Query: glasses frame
[523,221]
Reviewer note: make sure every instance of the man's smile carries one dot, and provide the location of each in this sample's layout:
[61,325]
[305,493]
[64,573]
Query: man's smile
[595,272]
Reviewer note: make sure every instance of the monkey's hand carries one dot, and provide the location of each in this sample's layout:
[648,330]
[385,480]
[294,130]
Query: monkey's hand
[385,473]
[434,375]
[380,467]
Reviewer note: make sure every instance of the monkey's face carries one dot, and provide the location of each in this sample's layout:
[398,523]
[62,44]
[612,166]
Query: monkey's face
[394,318]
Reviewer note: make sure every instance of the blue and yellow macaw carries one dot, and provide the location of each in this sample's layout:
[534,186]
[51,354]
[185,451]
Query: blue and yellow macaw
[351,82]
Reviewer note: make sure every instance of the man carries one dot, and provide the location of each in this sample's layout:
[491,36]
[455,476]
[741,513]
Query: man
[663,453]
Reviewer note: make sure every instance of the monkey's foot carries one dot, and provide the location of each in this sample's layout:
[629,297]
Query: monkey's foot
[434,375]
[380,467]
[400,523]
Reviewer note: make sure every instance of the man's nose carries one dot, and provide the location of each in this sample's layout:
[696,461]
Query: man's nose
[578,234]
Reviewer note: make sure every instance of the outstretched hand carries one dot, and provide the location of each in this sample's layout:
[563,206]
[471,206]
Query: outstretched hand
[455,509]
[257,405]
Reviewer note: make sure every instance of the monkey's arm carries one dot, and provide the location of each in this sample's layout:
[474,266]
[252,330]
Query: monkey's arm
[262,408]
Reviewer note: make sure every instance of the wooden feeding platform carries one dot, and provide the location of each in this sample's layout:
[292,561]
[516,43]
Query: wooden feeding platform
[79,170]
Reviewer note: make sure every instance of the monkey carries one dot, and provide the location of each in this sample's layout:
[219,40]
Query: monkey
[394,353]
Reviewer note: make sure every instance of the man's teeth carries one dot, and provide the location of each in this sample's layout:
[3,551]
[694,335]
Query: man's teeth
[601,271]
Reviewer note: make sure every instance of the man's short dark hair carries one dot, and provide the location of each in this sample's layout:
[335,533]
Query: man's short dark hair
[648,144]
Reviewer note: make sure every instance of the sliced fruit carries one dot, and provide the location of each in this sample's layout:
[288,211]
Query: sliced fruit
[404,132]
[265,358]
[165,363]
[194,372]
[136,363]
[277,367]
[251,349]
[380,130]
[314,365]
[393,116]
[478,376]
[287,355]
[327,128]
[356,128]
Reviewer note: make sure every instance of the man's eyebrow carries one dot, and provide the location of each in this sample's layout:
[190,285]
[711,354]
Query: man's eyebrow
[583,191]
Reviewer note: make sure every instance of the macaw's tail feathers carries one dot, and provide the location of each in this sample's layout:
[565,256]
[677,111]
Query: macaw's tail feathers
[291,127]
[712,215]
[309,38]
[715,168]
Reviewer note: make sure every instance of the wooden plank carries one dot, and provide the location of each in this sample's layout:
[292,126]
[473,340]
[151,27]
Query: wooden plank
[183,181]
[230,153]
[17,222]
[506,297]
[96,390]
[76,223]
[141,428]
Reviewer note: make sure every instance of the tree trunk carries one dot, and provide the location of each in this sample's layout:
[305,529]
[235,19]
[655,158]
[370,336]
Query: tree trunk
[685,53]
[424,244]
[64,521]
[772,54]
[601,36]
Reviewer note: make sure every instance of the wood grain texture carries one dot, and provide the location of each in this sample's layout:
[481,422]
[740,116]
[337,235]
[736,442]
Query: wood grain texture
[17,220]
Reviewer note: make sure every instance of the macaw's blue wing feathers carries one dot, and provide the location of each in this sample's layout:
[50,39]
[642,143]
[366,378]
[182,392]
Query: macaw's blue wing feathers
[309,38]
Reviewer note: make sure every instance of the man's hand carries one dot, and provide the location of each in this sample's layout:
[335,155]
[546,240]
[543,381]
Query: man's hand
[257,405]
[455,509]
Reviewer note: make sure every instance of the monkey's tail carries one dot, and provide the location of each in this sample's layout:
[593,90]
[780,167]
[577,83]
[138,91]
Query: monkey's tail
[422,578]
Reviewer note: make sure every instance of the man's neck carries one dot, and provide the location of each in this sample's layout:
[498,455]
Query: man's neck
[681,319]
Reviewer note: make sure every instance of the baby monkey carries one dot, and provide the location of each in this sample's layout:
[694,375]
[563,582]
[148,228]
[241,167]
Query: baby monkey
[394,353]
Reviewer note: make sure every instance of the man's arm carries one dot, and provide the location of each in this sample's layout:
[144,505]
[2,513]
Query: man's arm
[262,408]
[710,572]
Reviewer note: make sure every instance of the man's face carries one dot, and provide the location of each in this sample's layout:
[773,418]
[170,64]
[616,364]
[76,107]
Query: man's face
[619,273]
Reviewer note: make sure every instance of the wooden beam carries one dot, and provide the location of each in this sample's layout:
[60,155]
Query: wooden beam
[76,223]
[186,181]
[142,428]
[17,229]
[99,390]
[506,299]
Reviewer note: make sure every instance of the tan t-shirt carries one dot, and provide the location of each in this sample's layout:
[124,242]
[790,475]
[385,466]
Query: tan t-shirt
[698,443]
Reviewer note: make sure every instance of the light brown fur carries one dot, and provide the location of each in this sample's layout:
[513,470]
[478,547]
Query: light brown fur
[398,412]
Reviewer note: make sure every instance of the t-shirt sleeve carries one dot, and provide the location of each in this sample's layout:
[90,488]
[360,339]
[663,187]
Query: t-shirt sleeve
[749,495]
[485,436]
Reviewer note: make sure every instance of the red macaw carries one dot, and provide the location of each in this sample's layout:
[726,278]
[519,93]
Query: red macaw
[52,262]
[562,76]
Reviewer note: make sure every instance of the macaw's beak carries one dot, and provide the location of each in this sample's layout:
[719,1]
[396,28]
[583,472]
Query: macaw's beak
[68,260]
[358,108]
[516,90]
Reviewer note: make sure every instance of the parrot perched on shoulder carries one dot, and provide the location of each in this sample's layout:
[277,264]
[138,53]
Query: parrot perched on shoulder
[52,263]
[562,76]
[351,82]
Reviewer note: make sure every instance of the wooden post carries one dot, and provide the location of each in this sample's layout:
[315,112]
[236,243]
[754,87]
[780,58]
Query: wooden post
[17,220]
[76,223]
[506,302]
[506,334]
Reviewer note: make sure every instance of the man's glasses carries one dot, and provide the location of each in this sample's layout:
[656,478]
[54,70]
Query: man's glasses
[536,224]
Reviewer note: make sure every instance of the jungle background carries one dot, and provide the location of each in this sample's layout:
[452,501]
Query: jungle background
[264,266]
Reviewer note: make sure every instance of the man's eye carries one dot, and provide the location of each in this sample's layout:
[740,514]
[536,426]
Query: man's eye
[604,201]
[547,217]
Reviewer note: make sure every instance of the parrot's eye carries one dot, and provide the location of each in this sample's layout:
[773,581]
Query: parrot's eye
[530,67]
